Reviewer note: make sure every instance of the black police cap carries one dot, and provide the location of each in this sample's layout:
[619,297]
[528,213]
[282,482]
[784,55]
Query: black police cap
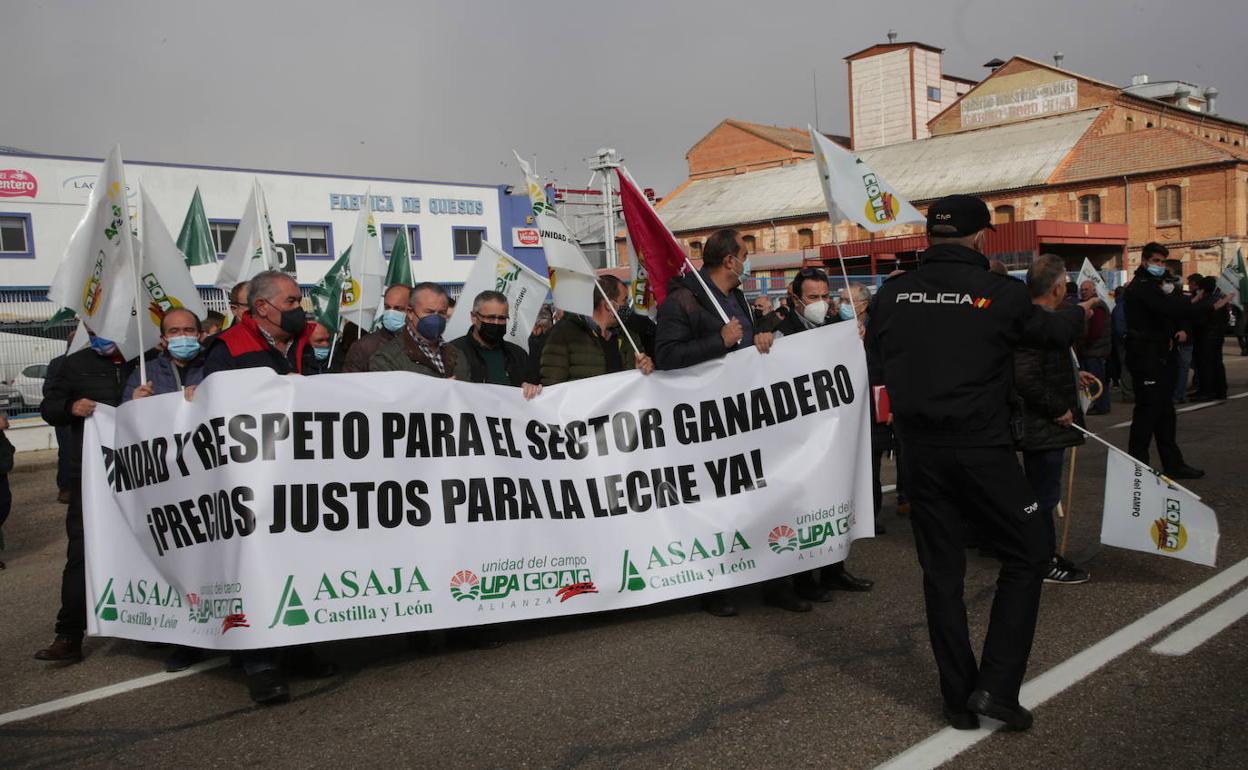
[955,216]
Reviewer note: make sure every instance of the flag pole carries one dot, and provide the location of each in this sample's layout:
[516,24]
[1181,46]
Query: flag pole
[1160,475]
[618,320]
[1070,497]
[849,293]
[138,283]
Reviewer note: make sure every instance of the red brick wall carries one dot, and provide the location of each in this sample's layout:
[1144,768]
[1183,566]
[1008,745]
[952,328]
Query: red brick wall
[730,150]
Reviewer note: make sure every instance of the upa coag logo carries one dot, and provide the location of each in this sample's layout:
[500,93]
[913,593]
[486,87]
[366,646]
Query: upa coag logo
[685,561]
[354,595]
[161,302]
[217,604]
[94,287]
[814,530]
[782,539]
[139,602]
[510,577]
[1168,532]
[465,585]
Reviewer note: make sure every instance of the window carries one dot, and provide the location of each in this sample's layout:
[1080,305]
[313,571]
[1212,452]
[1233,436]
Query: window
[933,94]
[1169,205]
[312,239]
[36,371]
[805,238]
[749,244]
[1002,215]
[695,249]
[15,238]
[1089,208]
[223,231]
[390,233]
[467,241]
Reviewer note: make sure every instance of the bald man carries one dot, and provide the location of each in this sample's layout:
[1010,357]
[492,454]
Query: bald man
[180,364]
[393,318]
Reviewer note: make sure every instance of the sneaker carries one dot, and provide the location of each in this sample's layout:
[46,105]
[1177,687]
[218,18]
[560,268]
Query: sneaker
[1065,572]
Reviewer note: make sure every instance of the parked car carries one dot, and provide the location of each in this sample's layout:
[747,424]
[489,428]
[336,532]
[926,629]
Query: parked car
[29,384]
[10,400]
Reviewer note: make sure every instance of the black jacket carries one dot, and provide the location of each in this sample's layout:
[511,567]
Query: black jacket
[515,359]
[689,325]
[85,374]
[941,340]
[1152,319]
[1044,381]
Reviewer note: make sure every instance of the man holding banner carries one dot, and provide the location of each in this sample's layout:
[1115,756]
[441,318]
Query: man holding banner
[490,357]
[419,347]
[590,346]
[393,318]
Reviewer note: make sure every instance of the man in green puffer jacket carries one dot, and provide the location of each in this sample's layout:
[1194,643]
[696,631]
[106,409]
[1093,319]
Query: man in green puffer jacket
[588,346]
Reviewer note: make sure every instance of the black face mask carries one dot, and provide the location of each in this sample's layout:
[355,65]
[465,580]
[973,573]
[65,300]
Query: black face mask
[293,321]
[492,334]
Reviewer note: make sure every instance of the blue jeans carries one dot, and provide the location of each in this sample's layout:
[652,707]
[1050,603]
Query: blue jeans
[1044,472]
[1184,369]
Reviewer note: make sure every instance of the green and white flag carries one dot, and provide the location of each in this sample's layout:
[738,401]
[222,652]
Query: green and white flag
[398,273]
[96,278]
[498,271]
[327,294]
[253,249]
[164,278]
[368,268]
[572,278]
[195,240]
[61,316]
[1145,511]
[1233,281]
[1089,273]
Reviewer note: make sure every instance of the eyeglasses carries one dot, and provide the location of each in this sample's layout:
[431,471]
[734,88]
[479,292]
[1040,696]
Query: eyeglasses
[492,319]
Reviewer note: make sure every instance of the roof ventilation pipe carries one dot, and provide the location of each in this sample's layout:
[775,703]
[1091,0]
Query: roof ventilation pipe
[1058,56]
[1180,97]
[892,36]
[1211,100]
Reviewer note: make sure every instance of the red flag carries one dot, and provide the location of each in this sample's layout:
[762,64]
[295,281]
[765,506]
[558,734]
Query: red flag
[655,245]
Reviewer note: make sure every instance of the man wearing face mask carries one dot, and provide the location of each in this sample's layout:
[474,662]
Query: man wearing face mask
[95,375]
[1154,314]
[490,357]
[180,366]
[321,342]
[588,346]
[272,334]
[419,347]
[393,319]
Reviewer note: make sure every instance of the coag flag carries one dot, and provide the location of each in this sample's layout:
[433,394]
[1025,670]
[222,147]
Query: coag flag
[96,278]
[496,270]
[253,249]
[657,250]
[854,192]
[195,240]
[1143,512]
[1233,281]
[327,294]
[398,273]
[368,268]
[572,278]
[1089,273]
[165,280]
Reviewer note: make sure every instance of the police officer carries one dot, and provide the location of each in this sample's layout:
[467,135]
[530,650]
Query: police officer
[941,339]
[1154,313]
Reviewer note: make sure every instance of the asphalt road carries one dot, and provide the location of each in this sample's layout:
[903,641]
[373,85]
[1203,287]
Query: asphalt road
[849,685]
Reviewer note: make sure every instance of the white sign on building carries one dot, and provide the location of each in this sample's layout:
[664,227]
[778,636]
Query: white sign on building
[1028,102]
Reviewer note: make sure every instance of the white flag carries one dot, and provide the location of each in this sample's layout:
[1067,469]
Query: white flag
[368,268]
[1144,513]
[572,278]
[253,249]
[96,278]
[164,279]
[854,192]
[1089,273]
[495,270]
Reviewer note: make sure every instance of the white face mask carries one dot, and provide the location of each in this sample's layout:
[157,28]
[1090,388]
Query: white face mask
[816,312]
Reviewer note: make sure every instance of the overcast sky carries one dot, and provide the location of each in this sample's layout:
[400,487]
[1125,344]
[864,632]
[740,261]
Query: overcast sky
[444,90]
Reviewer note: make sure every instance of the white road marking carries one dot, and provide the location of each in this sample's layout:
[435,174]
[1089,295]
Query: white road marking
[1205,627]
[109,691]
[1191,408]
[948,743]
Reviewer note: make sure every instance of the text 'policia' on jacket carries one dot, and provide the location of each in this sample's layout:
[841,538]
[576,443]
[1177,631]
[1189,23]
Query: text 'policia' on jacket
[941,338]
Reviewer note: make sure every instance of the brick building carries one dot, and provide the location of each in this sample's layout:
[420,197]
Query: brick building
[1069,164]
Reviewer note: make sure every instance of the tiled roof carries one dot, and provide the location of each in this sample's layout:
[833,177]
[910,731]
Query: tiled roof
[1137,152]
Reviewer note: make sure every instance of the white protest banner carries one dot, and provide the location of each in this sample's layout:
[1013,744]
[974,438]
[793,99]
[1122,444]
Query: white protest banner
[498,271]
[1089,273]
[342,506]
[1144,513]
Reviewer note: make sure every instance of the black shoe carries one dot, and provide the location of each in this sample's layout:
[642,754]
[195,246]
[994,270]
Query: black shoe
[181,658]
[961,720]
[1097,412]
[717,604]
[986,704]
[304,662]
[268,687]
[64,649]
[806,585]
[841,580]
[786,599]
[1185,472]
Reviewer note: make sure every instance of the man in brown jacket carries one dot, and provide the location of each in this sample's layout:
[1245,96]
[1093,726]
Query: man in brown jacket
[419,347]
[393,319]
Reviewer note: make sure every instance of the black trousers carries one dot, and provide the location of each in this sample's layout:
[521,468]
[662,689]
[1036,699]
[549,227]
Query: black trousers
[1209,366]
[946,484]
[72,619]
[1153,416]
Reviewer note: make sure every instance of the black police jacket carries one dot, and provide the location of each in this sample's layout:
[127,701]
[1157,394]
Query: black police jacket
[85,374]
[941,339]
[1153,317]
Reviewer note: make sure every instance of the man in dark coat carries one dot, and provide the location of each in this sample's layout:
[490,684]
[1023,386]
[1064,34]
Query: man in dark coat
[490,357]
[580,347]
[1210,333]
[393,318]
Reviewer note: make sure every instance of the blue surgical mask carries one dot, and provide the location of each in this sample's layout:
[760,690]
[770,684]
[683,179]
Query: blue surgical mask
[745,268]
[103,345]
[845,311]
[392,320]
[431,327]
[322,354]
[183,348]
[1157,271]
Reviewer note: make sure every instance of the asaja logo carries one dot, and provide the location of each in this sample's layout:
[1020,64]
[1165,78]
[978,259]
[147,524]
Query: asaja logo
[15,183]
[106,607]
[94,287]
[140,602]
[1168,532]
[352,595]
[679,562]
[782,539]
[161,302]
[465,585]
[881,206]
